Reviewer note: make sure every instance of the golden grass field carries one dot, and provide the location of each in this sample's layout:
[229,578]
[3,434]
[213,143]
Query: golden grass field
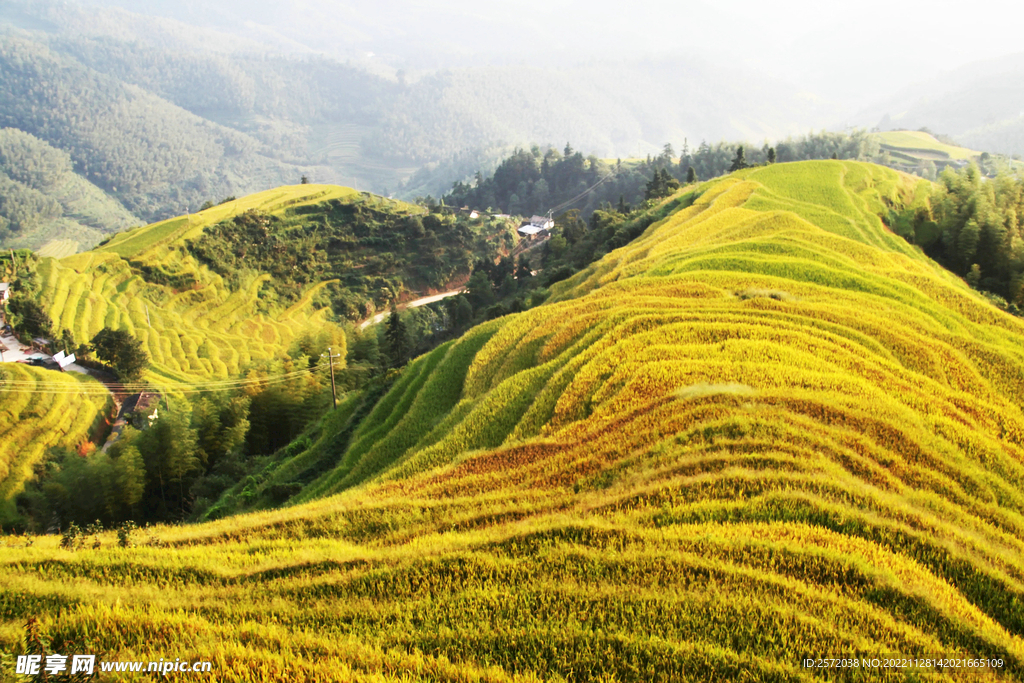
[767,429]
[919,143]
[48,409]
[194,336]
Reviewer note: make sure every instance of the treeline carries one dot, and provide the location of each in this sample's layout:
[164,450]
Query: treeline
[975,229]
[535,181]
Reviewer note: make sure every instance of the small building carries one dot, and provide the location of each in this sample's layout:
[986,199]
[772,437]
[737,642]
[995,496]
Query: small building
[542,222]
[538,225]
[41,344]
[529,230]
[5,292]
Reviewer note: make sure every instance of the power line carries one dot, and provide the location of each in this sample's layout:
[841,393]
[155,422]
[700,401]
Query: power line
[28,386]
[582,194]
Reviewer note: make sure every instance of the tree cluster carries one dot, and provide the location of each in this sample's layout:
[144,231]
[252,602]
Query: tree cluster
[975,229]
[368,250]
[173,460]
[122,352]
[533,181]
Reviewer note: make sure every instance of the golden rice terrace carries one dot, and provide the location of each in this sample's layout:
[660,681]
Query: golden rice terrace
[767,429]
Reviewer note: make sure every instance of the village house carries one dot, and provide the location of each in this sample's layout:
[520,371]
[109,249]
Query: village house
[538,225]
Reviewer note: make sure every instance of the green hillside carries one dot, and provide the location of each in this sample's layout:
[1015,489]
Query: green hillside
[923,145]
[192,323]
[919,152]
[766,429]
[40,409]
[43,202]
[242,297]
[207,300]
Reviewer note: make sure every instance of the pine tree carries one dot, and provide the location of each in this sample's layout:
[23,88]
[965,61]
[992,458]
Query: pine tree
[396,339]
[771,155]
[691,176]
[740,162]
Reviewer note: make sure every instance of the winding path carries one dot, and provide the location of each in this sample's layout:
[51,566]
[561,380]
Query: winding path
[412,304]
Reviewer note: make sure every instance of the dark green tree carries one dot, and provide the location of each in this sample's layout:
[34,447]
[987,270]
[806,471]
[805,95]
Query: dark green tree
[740,162]
[479,290]
[168,449]
[28,317]
[691,175]
[771,155]
[396,339]
[523,274]
[122,352]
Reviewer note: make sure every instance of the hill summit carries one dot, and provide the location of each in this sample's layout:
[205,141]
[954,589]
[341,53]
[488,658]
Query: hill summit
[767,429]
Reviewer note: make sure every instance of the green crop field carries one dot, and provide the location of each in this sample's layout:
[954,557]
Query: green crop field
[197,327]
[765,430]
[58,248]
[40,409]
[203,326]
[920,144]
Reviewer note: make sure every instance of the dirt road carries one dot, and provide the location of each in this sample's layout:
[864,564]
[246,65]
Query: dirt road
[412,304]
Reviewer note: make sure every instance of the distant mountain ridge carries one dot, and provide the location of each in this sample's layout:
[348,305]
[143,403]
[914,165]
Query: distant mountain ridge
[981,105]
[163,116]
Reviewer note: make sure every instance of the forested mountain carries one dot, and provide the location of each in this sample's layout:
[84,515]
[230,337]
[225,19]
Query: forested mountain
[151,155]
[606,108]
[163,115]
[42,198]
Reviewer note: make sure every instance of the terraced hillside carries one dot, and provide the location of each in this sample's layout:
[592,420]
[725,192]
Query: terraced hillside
[765,430]
[193,323]
[40,409]
[212,295]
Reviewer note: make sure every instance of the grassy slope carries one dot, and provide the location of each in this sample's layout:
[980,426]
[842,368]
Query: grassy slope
[915,142]
[203,331]
[46,409]
[766,429]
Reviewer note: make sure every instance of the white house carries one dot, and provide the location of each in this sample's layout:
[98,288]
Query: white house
[542,222]
[5,291]
[536,225]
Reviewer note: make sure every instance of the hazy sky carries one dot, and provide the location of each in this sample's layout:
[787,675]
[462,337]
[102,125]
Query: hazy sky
[852,53]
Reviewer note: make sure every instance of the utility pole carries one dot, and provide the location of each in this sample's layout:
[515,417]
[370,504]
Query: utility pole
[330,359]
